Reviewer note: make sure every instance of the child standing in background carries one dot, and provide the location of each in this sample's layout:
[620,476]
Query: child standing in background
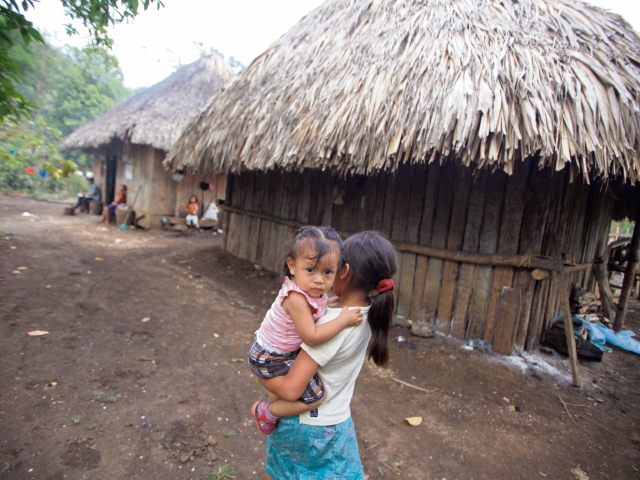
[192,213]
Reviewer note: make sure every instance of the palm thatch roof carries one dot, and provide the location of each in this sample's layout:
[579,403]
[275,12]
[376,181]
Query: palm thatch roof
[157,115]
[359,86]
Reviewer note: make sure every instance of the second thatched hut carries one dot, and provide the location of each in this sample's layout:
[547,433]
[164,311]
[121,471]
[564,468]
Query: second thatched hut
[129,142]
[473,133]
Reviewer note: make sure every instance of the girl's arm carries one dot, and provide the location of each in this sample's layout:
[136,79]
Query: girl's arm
[291,386]
[298,308]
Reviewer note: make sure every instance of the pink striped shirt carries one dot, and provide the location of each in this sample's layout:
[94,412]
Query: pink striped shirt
[277,331]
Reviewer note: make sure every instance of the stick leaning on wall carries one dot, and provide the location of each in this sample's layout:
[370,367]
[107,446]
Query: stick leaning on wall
[133,204]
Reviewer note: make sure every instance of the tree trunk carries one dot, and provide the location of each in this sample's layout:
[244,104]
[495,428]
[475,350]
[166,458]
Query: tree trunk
[629,278]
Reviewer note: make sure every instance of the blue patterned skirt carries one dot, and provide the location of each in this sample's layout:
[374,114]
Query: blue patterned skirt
[308,452]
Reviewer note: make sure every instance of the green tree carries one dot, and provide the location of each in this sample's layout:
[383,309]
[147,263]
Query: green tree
[16,30]
[89,85]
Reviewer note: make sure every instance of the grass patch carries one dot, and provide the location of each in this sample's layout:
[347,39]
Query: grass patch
[224,472]
[104,397]
[77,420]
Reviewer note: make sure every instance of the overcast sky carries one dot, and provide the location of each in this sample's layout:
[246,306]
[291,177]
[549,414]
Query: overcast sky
[150,48]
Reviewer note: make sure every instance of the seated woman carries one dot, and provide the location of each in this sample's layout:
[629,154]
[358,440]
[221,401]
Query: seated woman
[94,194]
[121,199]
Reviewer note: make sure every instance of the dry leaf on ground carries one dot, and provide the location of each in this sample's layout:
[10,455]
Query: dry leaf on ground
[580,475]
[414,421]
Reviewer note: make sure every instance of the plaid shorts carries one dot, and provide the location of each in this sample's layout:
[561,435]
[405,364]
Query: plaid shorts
[266,364]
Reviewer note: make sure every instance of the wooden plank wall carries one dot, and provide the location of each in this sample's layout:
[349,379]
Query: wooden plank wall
[442,206]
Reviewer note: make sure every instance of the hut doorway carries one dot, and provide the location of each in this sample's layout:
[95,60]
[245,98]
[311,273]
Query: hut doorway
[110,179]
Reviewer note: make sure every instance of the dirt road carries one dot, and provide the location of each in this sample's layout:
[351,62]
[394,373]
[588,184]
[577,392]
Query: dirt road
[143,373]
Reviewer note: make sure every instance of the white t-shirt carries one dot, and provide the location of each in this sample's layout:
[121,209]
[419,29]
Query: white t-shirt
[340,361]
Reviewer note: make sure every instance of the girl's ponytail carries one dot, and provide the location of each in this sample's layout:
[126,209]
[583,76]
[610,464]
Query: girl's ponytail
[373,263]
[379,318]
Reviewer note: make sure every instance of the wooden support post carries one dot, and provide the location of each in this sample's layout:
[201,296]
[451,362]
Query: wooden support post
[608,303]
[629,278]
[566,312]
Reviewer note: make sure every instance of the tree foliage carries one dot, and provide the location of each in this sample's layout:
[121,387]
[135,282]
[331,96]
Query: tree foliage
[89,85]
[70,87]
[17,31]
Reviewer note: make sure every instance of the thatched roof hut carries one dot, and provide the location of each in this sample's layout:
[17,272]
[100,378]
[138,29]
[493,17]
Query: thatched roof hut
[360,86]
[447,125]
[158,115]
[130,141]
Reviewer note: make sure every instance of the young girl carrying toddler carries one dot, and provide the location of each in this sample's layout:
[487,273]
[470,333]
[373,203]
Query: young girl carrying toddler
[312,261]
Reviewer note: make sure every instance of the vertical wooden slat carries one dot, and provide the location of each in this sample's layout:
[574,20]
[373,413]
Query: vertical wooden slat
[508,311]
[327,213]
[488,243]
[370,196]
[315,204]
[555,180]
[230,192]
[246,222]
[541,290]
[510,225]
[470,244]
[398,227]
[433,281]
[400,214]
[273,248]
[535,217]
[267,207]
[357,218]
[342,214]
[411,235]
[389,204]
[552,305]
[246,230]
[424,236]
[234,233]
[379,208]
[302,213]
[462,189]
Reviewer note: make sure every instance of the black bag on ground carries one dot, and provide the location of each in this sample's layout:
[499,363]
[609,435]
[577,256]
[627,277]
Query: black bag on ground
[586,350]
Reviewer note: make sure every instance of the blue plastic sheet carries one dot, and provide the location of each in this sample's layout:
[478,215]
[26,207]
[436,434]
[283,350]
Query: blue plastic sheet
[622,339]
[599,335]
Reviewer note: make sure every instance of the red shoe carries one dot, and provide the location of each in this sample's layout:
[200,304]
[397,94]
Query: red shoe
[264,424]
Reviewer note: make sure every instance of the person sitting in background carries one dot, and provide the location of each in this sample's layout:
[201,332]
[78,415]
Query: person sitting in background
[94,194]
[121,199]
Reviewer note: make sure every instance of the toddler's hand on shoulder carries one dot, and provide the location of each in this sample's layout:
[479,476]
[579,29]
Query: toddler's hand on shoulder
[352,317]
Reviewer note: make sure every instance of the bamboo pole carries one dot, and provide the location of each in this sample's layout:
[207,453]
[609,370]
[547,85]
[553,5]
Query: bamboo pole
[629,278]
[566,312]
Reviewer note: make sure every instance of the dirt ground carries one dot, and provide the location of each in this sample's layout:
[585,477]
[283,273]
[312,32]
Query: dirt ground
[108,395]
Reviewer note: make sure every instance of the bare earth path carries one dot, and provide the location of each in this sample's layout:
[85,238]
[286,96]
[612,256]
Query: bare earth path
[106,395]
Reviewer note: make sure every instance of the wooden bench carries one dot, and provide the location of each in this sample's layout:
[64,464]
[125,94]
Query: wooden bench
[203,223]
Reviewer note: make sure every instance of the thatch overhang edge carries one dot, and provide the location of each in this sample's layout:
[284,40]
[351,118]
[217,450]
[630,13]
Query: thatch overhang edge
[345,90]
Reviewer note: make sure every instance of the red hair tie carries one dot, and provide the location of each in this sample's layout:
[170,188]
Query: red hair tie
[385,285]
